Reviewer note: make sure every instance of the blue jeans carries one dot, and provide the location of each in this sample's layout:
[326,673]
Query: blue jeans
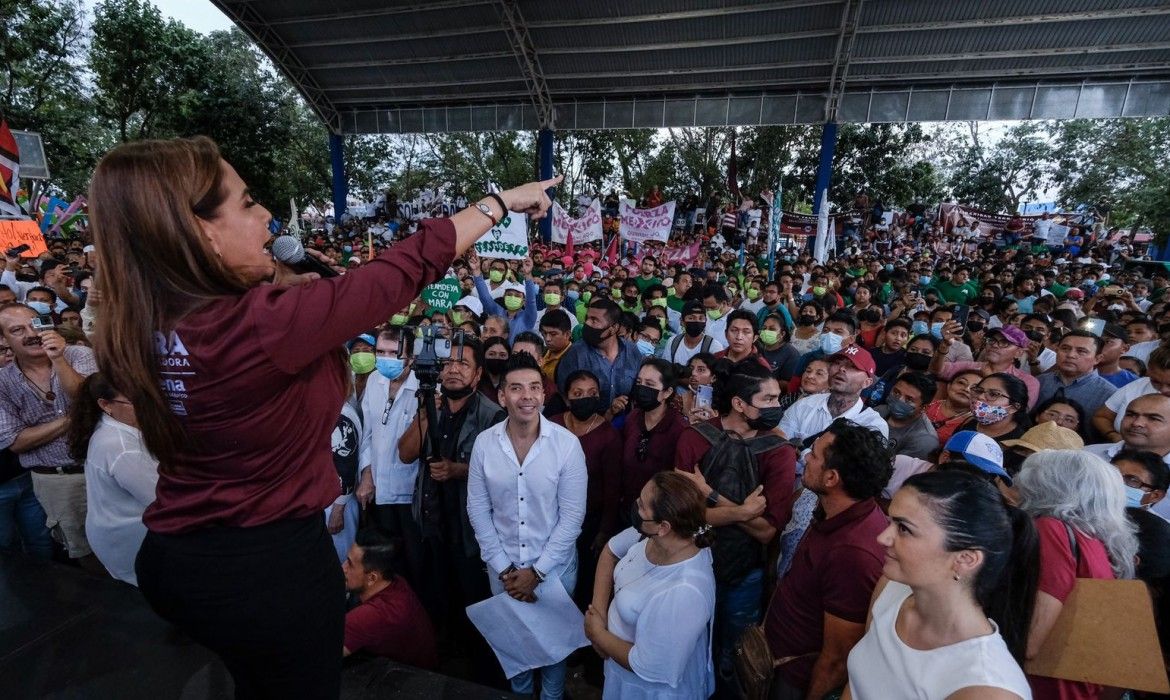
[737,607]
[552,678]
[22,520]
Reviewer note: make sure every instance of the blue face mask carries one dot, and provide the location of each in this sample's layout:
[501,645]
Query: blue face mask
[347,248]
[1133,497]
[41,307]
[830,343]
[645,347]
[390,367]
[889,267]
[919,328]
[572,295]
[924,280]
[936,330]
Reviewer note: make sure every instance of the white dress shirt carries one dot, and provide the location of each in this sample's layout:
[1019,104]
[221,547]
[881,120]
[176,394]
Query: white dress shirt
[120,477]
[810,415]
[393,479]
[1121,398]
[527,514]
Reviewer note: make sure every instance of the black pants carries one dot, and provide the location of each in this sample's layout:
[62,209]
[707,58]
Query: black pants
[269,600]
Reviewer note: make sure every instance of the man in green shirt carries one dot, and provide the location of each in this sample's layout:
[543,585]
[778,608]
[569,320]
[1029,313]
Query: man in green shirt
[682,284]
[959,289]
[648,276]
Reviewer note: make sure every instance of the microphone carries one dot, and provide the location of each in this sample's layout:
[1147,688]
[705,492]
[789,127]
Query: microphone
[288,250]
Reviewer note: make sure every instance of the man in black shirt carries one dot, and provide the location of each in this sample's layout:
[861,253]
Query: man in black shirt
[451,560]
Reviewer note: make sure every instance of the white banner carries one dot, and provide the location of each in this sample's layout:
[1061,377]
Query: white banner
[509,240]
[586,229]
[640,225]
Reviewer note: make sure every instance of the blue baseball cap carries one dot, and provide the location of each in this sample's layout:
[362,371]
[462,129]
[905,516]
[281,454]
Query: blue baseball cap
[979,450]
[365,338]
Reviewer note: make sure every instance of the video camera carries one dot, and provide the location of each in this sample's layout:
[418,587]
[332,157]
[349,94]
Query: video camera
[433,347]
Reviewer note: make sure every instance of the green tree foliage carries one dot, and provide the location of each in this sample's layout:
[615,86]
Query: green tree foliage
[998,177]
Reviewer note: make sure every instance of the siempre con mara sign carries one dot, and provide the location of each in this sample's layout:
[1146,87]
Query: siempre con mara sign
[640,225]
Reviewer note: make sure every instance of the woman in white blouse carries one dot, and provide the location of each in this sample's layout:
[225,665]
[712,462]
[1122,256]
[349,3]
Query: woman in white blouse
[950,615]
[654,598]
[120,474]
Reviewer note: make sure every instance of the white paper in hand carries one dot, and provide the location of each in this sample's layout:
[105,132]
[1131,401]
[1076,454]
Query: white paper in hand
[525,636]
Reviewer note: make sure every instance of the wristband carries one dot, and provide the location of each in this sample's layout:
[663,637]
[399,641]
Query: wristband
[713,499]
[500,201]
[540,576]
[487,211]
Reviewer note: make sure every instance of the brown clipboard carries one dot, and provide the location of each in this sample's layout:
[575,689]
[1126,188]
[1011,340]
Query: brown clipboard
[1105,634]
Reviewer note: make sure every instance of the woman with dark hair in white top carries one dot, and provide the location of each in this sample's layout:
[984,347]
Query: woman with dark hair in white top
[950,616]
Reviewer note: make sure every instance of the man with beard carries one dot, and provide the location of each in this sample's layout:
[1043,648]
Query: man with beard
[613,360]
[851,371]
[451,562]
[36,391]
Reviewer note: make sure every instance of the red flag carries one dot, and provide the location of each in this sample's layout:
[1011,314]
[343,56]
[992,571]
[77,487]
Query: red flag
[9,171]
[733,170]
[569,243]
[611,255]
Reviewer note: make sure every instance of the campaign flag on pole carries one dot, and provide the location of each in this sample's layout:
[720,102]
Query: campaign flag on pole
[640,225]
[9,171]
[583,230]
[821,244]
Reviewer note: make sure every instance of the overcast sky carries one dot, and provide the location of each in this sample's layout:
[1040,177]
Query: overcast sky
[199,15]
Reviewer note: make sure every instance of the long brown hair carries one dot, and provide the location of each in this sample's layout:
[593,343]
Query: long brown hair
[154,266]
[84,413]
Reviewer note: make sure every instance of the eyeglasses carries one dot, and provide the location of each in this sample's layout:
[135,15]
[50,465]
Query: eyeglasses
[999,342]
[979,392]
[1061,419]
[5,351]
[643,445]
[386,411]
[1135,483]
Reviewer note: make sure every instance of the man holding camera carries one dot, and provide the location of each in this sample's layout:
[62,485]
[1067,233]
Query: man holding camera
[36,391]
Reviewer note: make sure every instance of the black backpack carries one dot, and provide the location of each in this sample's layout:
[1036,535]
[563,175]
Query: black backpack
[731,467]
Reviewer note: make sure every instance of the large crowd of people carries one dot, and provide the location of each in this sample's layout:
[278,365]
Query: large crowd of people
[891,467]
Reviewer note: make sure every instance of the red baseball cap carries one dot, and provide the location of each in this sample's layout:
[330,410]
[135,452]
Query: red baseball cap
[857,355]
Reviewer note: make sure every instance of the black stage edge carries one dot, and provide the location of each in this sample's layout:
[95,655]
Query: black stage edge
[67,634]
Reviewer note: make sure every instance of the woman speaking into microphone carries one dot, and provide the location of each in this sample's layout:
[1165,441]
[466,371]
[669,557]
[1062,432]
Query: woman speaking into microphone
[236,369]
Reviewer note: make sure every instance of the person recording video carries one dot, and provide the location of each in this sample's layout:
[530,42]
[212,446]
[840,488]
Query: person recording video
[236,367]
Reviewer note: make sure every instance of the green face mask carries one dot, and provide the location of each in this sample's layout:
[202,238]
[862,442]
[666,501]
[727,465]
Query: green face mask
[496,276]
[513,303]
[671,293]
[617,293]
[714,314]
[552,298]
[753,293]
[458,317]
[362,362]
[586,296]
[769,336]
[661,301]
[662,324]
[398,320]
[819,291]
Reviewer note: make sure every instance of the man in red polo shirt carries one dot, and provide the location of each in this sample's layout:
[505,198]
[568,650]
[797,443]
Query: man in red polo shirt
[819,608]
[390,620]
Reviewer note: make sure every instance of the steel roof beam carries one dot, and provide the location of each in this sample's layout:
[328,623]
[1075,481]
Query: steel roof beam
[1016,53]
[975,23]
[680,14]
[693,43]
[526,57]
[438,5]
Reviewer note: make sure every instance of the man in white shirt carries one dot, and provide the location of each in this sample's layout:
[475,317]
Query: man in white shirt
[526,501]
[52,276]
[1145,426]
[851,371]
[1107,419]
[694,337]
[388,407]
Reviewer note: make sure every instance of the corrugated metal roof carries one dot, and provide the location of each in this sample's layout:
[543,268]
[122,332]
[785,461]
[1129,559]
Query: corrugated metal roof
[468,64]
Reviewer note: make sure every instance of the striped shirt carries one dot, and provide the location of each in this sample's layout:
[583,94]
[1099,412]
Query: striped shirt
[22,406]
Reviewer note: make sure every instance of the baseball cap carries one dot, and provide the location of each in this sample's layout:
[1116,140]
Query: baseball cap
[979,450]
[1115,330]
[858,356]
[1014,335]
[1074,293]
[1048,436]
[472,304]
[366,338]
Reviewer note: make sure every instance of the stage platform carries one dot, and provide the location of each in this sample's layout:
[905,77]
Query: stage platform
[66,634]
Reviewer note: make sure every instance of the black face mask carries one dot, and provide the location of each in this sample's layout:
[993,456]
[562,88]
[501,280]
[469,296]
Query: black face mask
[457,394]
[975,327]
[593,337]
[495,365]
[769,418]
[645,397]
[630,301]
[917,361]
[806,320]
[585,408]
[695,328]
[636,520]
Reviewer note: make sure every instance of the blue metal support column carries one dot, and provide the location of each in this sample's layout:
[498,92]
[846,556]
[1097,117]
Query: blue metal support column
[340,186]
[545,149]
[825,167]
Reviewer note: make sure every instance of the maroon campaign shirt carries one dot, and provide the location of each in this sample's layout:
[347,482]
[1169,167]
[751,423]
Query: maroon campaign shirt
[602,447]
[624,478]
[258,382]
[834,570]
[777,469]
[392,624]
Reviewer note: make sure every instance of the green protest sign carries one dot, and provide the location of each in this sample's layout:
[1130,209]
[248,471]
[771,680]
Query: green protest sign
[443,294]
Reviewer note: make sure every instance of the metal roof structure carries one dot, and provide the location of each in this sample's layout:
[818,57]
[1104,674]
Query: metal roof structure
[378,66]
